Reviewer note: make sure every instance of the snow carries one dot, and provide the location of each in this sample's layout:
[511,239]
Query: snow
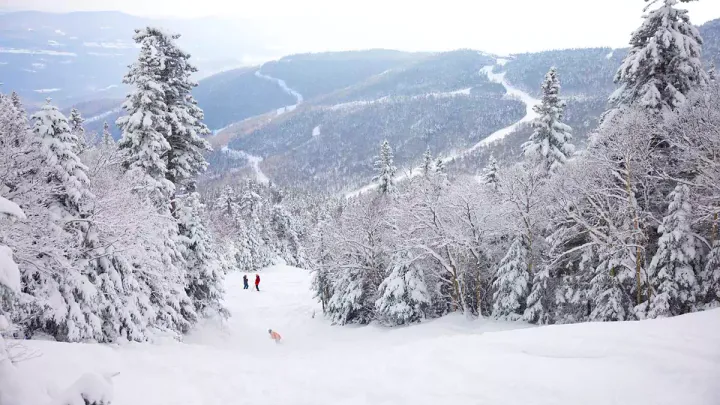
[36,52]
[501,61]
[9,273]
[110,45]
[610,55]
[511,91]
[46,90]
[283,86]
[10,208]
[102,115]
[449,360]
[316,131]
[253,161]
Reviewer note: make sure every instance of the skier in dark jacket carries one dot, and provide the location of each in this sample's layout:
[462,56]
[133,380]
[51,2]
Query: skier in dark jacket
[257,282]
[245,282]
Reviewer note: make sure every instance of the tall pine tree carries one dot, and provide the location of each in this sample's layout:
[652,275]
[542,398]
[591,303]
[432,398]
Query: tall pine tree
[550,142]
[663,67]
[385,169]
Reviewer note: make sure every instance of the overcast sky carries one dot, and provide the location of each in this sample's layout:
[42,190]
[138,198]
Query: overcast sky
[504,26]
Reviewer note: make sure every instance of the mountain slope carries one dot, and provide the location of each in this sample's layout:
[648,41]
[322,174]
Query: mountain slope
[81,56]
[482,361]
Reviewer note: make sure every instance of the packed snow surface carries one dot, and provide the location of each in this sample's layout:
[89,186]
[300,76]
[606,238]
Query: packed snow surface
[449,360]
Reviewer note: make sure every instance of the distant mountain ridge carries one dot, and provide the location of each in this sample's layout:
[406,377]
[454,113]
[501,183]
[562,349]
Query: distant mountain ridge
[317,119]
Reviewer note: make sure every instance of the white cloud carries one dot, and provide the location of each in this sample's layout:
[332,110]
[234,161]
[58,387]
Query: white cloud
[46,90]
[36,52]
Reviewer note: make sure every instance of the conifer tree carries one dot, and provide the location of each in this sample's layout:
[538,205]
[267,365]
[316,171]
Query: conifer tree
[75,120]
[490,173]
[711,276]
[107,138]
[663,67]
[550,141]
[512,283]
[145,127]
[185,158]
[204,279]
[672,270]
[385,169]
[712,74]
[403,294]
[427,162]
[439,166]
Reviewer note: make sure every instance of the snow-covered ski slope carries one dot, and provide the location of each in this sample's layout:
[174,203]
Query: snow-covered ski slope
[511,92]
[451,360]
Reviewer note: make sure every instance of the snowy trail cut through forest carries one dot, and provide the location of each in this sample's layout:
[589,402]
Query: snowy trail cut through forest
[449,360]
[253,162]
[298,97]
[511,91]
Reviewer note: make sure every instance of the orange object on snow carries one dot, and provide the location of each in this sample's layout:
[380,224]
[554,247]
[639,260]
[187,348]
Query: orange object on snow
[274,336]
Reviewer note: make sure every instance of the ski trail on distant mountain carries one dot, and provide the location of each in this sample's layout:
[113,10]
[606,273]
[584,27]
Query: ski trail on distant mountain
[298,97]
[253,162]
[511,92]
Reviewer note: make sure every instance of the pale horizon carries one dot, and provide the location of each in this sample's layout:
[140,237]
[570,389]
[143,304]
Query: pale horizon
[513,26]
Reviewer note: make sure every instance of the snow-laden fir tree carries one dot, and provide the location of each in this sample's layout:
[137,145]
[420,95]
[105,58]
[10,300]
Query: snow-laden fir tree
[9,286]
[427,163]
[439,166]
[490,174]
[672,270]
[352,298]
[204,279]
[403,294]
[145,127]
[107,138]
[512,283]
[663,67]
[75,120]
[385,169]
[550,142]
[64,301]
[711,276]
[184,160]
[712,73]
[539,301]
[608,295]
[54,139]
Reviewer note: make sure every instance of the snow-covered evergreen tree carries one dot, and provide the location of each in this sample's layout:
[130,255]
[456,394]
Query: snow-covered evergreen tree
[512,283]
[107,138]
[490,173]
[55,140]
[427,163]
[385,169]
[550,141]
[439,166]
[145,127]
[75,120]
[403,294]
[672,270]
[204,279]
[712,73]
[663,67]
[185,158]
[540,300]
[711,276]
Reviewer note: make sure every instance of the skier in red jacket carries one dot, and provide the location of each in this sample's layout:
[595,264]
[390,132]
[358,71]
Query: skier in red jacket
[257,282]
